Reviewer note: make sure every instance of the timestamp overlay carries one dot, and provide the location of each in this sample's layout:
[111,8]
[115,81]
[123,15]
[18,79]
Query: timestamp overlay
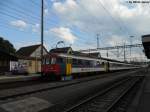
[138,1]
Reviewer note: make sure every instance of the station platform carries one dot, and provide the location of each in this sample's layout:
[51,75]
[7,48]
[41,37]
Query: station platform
[144,102]
[14,78]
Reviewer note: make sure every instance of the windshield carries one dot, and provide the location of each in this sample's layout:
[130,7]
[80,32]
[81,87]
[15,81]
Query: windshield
[53,60]
[49,61]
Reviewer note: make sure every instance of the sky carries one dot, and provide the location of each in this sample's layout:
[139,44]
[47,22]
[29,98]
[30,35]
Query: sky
[76,22]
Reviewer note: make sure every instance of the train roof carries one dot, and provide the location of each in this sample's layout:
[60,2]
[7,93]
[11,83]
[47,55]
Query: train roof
[61,50]
[83,57]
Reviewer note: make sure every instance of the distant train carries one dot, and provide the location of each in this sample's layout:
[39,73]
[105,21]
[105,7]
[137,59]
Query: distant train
[66,66]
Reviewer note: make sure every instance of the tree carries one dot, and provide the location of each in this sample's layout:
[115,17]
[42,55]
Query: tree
[6,46]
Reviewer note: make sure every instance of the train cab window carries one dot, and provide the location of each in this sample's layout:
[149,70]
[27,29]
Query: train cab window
[53,61]
[47,61]
[43,60]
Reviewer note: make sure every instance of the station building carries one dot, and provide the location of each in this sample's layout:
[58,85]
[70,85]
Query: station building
[29,58]
[146,45]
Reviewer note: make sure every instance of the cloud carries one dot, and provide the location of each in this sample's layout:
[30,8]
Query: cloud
[117,40]
[36,28]
[90,17]
[63,7]
[115,24]
[64,33]
[46,11]
[19,24]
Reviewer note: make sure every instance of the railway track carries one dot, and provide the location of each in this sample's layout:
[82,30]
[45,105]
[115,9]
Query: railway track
[106,100]
[18,84]
[27,90]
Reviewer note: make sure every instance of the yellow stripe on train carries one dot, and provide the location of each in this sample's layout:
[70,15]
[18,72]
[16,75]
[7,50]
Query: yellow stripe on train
[68,69]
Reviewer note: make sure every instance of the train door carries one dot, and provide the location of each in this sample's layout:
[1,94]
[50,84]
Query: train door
[62,64]
[68,68]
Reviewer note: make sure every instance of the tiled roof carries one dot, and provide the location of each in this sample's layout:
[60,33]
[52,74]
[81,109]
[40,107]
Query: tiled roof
[27,51]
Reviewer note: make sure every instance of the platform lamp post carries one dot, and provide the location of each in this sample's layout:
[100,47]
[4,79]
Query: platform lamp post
[130,46]
[42,34]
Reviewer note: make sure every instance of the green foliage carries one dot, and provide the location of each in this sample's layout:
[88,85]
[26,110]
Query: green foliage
[6,46]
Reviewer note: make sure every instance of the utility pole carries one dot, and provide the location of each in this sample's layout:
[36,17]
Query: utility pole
[131,46]
[97,41]
[42,26]
[107,54]
[124,53]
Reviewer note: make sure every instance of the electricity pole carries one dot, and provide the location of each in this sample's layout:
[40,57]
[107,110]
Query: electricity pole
[97,41]
[130,47]
[124,53]
[42,26]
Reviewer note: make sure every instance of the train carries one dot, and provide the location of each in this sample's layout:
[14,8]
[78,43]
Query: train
[67,66]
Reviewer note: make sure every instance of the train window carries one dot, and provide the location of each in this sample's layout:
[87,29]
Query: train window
[69,60]
[97,63]
[59,60]
[79,62]
[87,62]
[74,61]
[94,63]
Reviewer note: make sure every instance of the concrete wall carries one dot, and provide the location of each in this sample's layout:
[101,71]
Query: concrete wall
[31,66]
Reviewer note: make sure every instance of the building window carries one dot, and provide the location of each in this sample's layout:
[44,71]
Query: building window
[30,63]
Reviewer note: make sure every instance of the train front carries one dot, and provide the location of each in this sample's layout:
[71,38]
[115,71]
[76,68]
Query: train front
[49,67]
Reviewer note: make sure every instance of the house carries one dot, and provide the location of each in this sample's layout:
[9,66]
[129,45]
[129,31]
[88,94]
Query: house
[30,58]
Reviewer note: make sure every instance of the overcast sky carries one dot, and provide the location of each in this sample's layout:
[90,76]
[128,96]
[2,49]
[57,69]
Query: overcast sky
[76,22]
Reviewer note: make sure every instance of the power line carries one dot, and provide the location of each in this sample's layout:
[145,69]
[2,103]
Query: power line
[35,3]
[123,24]
[22,7]
[20,11]
[12,16]
[115,21]
[82,31]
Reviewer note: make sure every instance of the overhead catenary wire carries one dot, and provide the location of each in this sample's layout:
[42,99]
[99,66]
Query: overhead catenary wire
[109,14]
[81,31]
[20,12]
[122,22]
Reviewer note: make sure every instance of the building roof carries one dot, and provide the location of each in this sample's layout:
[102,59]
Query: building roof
[61,50]
[27,51]
[146,45]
